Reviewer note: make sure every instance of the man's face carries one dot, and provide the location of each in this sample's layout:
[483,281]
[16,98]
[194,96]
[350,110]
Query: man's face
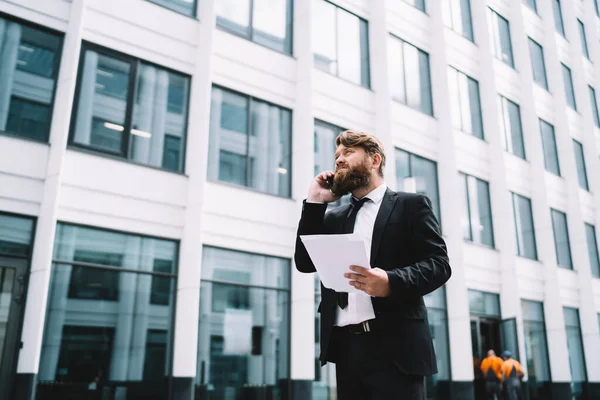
[353,168]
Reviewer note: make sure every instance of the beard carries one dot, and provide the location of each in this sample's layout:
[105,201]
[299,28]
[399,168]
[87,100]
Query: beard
[351,178]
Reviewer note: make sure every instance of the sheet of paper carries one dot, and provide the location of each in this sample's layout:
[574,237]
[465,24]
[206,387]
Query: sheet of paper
[333,255]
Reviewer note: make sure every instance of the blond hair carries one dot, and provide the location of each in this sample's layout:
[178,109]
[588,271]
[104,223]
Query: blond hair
[369,143]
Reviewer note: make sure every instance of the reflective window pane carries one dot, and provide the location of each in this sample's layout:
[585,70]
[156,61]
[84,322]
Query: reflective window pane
[538,65]
[340,43]
[159,118]
[561,239]
[583,39]
[484,303]
[594,103]
[569,90]
[420,4]
[549,145]
[103,329]
[250,143]
[186,7]
[592,245]
[575,348]
[501,38]
[524,229]
[418,175]
[16,236]
[511,127]
[477,223]
[531,4]
[466,106]
[558,19]
[234,15]
[410,79]
[243,337]
[438,326]
[325,135]
[28,72]
[580,163]
[272,24]
[536,347]
[460,18]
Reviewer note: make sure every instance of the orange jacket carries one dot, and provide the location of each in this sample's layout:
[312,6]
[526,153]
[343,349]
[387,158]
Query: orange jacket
[493,362]
[508,366]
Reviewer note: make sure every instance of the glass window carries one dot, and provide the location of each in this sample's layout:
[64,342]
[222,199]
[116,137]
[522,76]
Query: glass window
[458,18]
[243,340]
[185,7]
[561,239]
[531,4]
[29,60]
[409,75]
[104,327]
[250,143]
[420,4]
[575,348]
[325,135]
[484,303]
[500,36]
[558,19]
[524,229]
[438,326]
[144,125]
[592,245]
[569,90]
[16,236]
[416,174]
[477,222]
[511,127]
[538,64]
[466,106]
[340,43]
[594,106]
[536,347]
[324,384]
[597,8]
[549,144]
[580,163]
[267,22]
[584,46]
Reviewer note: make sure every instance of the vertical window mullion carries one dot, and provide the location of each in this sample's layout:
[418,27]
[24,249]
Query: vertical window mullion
[403,43]
[132,89]
[251,21]
[248,137]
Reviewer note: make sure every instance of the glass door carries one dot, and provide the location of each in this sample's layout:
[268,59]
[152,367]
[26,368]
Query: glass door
[508,337]
[13,275]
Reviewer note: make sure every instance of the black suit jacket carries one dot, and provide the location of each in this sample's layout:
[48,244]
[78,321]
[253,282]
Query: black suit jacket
[407,244]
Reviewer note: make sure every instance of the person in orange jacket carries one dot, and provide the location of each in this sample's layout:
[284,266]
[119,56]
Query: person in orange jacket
[512,372]
[491,366]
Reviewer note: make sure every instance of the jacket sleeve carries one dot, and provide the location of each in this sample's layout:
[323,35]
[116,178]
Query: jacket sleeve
[311,223]
[432,269]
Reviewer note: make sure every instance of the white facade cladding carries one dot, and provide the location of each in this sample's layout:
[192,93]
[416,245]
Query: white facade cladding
[154,156]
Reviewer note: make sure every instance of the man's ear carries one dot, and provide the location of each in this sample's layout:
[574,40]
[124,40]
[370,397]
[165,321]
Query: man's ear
[376,160]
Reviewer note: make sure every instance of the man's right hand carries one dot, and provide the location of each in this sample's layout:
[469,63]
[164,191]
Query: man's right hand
[319,189]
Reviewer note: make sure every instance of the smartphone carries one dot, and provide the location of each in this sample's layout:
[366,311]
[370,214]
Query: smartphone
[330,182]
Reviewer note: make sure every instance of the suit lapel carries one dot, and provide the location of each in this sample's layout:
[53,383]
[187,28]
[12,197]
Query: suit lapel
[387,206]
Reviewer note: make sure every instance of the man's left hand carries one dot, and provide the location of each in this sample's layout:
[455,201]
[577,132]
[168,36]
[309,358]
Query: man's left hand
[372,281]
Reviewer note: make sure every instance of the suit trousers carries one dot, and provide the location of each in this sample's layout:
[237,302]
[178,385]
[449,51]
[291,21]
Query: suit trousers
[365,369]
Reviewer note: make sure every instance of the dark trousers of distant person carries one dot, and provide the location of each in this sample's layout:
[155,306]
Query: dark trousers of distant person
[366,371]
[492,390]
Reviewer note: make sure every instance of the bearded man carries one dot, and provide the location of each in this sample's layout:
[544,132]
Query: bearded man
[380,342]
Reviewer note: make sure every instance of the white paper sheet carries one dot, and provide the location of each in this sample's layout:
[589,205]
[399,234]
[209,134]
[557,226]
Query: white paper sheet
[333,255]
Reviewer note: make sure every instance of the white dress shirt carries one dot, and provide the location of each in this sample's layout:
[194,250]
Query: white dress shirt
[359,306]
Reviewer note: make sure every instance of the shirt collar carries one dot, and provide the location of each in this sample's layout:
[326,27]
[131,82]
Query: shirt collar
[376,195]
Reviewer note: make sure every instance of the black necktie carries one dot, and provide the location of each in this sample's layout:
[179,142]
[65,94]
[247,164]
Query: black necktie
[355,205]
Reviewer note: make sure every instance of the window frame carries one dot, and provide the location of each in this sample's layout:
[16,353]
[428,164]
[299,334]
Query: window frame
[424,10]
[61,40]
[546,164]
[419,50]
[595,274]
[565,70]
[553,212]
[246,156]
[504,103]
[250,36]
[460,105]
[134,62]
[453,28]
[534,8]
[496,38]
[468,195]
[594,101]
[514,197]
[543,61]
[560,31]
[31,245]
[583,39]
[579,150]
[194,14]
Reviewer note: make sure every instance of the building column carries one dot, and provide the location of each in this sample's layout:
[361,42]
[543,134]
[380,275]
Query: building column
[190,261]
[302,321]
[459,325]
[576,222]
[41,263]
[500,195]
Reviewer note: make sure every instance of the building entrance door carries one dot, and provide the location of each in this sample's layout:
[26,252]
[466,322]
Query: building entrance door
[13,276]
